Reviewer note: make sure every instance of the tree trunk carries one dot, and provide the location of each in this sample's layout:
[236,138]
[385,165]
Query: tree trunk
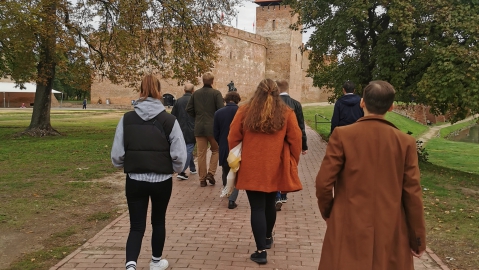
[40,122]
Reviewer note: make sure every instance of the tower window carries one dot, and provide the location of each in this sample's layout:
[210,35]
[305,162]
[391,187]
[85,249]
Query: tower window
[231,55]
[274,24]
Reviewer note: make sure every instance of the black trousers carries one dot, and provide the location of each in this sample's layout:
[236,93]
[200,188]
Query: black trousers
[138,195]
[263,216]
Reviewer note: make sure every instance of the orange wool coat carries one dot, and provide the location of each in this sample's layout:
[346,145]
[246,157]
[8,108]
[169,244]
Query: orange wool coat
[269,162]
[376,216]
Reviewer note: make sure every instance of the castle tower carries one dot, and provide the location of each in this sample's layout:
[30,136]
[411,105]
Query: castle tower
[283,56]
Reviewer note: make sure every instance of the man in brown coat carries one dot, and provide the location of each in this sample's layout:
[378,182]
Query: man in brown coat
[374,217]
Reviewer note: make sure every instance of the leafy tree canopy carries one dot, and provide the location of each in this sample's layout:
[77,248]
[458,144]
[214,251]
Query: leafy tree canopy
[121,40]
[426,49]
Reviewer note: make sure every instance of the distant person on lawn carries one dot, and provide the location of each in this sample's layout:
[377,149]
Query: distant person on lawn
[369,193]
[346,109]
[149,146]
[187,124]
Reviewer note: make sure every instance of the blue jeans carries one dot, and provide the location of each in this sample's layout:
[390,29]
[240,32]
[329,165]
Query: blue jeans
[190,161]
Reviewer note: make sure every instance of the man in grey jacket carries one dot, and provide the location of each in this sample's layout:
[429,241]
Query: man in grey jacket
[187,124]
[202,106]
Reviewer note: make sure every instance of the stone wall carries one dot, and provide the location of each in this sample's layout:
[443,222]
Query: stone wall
[419,113]
[245,58]
[242,60]
[310,93]
[283,53]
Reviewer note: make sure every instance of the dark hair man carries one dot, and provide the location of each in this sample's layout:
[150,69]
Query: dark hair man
[346,108]
[221,127]
[375,220]
[283,86]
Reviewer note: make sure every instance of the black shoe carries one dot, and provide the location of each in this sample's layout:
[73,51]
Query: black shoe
[182,176]
[232,205]
[258,257]
[210,178]
[278,205]
[269,242]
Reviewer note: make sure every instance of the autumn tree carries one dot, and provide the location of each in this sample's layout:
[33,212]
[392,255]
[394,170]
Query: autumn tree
[427,49]
[120,40]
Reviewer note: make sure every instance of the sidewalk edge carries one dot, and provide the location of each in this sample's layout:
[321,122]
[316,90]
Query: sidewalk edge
[436,259]
[87,243]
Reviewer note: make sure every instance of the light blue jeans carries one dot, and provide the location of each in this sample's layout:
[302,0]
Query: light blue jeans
[190,161]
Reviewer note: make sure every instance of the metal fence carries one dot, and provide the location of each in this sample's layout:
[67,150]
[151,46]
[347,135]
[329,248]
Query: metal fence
[319,116]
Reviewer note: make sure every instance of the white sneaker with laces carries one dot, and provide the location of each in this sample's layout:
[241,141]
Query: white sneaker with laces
[161,265]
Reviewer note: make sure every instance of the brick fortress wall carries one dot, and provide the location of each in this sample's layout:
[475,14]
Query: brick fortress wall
[419,113]
[242,60]
[245,58]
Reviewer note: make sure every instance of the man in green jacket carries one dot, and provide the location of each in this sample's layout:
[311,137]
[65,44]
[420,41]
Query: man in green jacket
[202,106]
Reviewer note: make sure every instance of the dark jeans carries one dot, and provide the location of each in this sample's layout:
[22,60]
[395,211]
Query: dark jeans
[263,216]
[138,194]
[226,170]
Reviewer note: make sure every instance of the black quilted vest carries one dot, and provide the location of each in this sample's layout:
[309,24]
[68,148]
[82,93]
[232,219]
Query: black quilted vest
[147,146]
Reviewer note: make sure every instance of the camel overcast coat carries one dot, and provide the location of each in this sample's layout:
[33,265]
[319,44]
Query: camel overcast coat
[376,216]
[269,162]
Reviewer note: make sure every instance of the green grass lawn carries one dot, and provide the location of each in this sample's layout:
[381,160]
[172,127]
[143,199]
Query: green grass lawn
[49,179]
[455,155]
[451,206]
[403,123]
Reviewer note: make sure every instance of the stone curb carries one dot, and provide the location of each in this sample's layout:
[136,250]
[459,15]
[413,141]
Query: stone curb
[87,243]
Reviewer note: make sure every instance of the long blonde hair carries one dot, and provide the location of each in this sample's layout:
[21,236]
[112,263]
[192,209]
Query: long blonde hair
[150,87]
[265,110]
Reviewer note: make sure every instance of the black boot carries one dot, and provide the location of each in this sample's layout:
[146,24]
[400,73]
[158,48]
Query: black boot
[269,242]
[259,257]
[232,205]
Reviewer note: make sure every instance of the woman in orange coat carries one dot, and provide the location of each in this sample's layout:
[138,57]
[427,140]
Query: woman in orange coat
[269,159]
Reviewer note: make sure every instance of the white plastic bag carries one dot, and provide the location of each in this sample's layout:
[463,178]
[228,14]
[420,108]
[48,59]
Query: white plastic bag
[234,158]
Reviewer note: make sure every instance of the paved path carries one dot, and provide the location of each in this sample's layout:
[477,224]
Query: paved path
[434,131]
[203,234]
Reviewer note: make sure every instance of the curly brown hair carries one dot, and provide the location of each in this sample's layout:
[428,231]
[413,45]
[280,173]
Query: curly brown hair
[265,110]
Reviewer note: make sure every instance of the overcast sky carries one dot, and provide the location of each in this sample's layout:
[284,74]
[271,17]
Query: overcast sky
[247,15]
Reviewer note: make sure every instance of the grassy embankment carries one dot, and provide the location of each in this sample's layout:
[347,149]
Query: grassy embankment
[48,198]
[451,194]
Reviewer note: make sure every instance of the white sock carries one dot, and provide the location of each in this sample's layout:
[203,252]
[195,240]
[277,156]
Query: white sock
[155,259]
[131,265]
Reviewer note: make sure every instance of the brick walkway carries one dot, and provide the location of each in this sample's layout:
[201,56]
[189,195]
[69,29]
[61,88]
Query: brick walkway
[203,234]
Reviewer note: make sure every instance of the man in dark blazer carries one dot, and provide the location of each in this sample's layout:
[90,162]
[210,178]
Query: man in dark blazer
[375,219]
[202,106]
[187,125]
[283,87]
[221,127]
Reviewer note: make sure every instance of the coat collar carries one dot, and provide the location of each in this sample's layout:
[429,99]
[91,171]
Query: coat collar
[377,118]
[231,104]
[187,94]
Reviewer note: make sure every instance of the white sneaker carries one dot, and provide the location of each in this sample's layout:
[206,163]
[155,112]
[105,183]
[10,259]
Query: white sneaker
[161,265]
[193,172]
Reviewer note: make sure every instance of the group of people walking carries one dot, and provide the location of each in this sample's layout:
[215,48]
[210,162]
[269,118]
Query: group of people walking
[150,145]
